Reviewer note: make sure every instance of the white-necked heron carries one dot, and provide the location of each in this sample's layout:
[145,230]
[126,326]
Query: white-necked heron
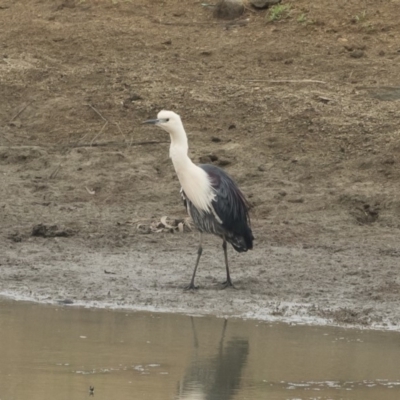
[211,197]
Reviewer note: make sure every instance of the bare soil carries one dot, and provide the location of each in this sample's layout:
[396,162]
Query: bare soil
[302,111]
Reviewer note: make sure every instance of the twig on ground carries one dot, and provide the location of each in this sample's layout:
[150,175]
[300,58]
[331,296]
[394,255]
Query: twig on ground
[120,130]
[5,137]
[83,137]
[21,111]
[286,81]
[101,131]
[98,112]
[55,172]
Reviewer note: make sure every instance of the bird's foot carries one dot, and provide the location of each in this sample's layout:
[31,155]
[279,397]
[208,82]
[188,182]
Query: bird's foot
[227,284]
[191,286]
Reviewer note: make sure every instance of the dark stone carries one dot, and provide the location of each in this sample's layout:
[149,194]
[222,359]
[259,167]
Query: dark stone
[357,54]
[261,4]
[228,9]
[42,230]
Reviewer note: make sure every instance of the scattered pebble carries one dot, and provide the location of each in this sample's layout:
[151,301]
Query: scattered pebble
[208,159]
[129,100]
[357,54]
[296,200]
[65,301]
[223,162]
[15,237]
[261,4]
[228,9]
[46,231]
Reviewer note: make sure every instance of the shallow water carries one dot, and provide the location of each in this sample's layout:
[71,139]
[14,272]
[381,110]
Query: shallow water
[57,353]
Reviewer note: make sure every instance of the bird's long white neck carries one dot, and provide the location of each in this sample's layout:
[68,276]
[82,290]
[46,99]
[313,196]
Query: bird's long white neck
[194,180]
[178,150]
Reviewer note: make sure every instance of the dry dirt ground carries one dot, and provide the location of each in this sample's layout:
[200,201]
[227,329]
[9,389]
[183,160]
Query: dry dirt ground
[302,111]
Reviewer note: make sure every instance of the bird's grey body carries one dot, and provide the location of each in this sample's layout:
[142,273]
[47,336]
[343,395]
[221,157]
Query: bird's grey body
[229,217]
[210,195]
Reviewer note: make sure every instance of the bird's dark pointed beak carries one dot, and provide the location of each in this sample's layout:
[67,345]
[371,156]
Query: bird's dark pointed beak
[151,121]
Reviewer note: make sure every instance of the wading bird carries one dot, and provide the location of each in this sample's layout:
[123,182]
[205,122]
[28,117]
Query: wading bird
[211,197]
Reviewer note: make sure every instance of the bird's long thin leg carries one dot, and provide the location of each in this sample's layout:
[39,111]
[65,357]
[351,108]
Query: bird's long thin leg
[199,251]
[228,282]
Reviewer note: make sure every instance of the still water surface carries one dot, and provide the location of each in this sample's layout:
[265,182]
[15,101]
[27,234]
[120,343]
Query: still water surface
[57,353]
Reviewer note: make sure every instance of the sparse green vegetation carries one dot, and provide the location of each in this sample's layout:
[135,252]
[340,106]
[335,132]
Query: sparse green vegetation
[302,18]
[362,21]
[305,19]
[279,12]
[360,17]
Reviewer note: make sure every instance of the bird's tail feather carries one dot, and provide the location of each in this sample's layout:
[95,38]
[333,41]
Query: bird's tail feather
[243,242]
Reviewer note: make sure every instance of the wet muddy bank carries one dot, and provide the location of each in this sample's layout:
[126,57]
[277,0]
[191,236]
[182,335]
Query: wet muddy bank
[338,285]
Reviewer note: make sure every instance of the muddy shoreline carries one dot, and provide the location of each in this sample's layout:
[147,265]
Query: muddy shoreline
[305,285]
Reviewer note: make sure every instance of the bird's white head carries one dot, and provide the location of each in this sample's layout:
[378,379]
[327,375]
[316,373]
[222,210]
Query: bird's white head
[169,121]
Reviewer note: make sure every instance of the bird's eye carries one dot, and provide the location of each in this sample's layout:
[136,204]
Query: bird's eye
[167,120]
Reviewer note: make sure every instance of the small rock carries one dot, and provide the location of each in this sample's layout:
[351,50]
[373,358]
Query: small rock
[144,230]
[205,160]
[232,126]
[357,54]
[65,301]
[389,161]
[133,97]
[228,9]
[261,4]
[296,200]
[15,237]
[215,139]
[354,46]
[63,4]
[222,162]
[323,99]
[169,41]
[282,193]
[42,230]
[208,159]
[16,124]
[261,168]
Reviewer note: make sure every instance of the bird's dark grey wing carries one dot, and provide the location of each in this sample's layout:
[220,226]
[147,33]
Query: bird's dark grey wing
[230,205]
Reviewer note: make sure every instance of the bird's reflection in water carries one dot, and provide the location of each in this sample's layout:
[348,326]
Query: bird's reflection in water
[217,377]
